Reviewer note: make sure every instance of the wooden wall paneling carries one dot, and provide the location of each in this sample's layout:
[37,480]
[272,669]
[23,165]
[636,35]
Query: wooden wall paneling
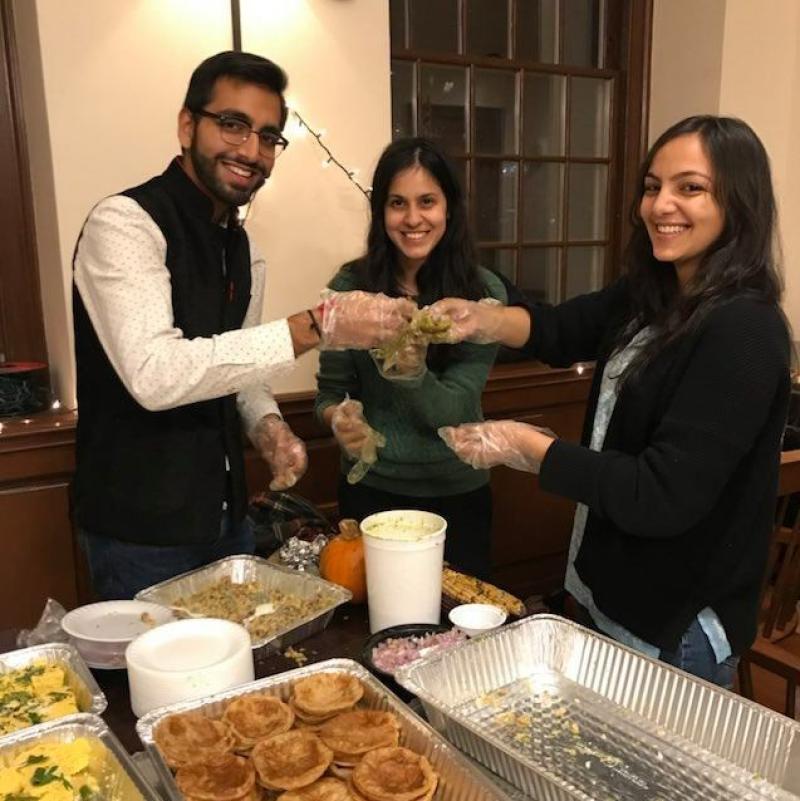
[21,322]
[38,553]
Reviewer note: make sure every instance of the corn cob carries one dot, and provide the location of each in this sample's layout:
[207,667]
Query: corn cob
[470,590]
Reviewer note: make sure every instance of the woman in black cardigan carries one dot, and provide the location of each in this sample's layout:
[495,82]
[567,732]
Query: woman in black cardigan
[677,473]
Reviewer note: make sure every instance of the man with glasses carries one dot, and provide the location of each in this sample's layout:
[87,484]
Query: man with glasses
[171,353]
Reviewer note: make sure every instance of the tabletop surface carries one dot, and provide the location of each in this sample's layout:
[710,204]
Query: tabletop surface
[344,638]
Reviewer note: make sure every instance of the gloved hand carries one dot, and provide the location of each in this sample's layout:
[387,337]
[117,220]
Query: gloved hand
[350,427]
[281,449]
[362,320]
[495,442]
[356,437]
[471,321]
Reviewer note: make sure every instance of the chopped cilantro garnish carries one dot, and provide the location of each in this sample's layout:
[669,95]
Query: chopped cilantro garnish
[34,718]
[36,759]
[43,776]
[57,696]
[85,792]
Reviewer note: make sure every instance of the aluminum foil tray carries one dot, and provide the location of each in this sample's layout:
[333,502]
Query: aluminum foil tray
[272,577]
[564,713]
[89,696]
[110,764]
[458,779]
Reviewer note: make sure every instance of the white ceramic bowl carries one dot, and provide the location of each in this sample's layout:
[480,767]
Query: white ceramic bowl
[474,619]
[101,632]
[187,659]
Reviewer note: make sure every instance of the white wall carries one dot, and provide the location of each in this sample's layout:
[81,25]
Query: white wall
[738,58]
[102,85]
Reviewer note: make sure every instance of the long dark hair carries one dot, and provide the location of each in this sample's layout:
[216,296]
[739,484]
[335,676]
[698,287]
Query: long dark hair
[451,269]
[742,259]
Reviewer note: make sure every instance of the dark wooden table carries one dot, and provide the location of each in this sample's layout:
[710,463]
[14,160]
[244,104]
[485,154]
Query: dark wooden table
[344,638]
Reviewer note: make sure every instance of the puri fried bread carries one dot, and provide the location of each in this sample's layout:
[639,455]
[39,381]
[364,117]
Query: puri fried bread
[326,694]
[222,778]
[187,738]
[290,760]
[351,734]
[254,717]
[343,772]
[325,789]
[394,774]
[310,721]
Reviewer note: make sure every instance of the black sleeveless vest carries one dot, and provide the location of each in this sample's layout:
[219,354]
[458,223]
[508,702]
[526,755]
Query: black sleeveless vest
[160,478]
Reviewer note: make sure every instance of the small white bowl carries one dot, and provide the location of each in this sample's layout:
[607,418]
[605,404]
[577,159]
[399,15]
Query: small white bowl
[187,659]
[101,632]
[474,619]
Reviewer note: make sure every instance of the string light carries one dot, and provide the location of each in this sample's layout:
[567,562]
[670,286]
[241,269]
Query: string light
[330,158]
[56,404]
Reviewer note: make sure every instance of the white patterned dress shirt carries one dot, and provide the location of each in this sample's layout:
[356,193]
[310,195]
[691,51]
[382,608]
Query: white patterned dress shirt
[124,283]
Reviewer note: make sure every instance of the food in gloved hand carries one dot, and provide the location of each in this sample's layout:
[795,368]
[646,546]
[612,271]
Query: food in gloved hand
[404,356]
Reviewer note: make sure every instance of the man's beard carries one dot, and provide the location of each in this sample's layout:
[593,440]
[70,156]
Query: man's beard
[205,169]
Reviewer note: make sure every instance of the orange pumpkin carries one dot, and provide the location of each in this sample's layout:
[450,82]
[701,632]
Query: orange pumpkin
[342,561]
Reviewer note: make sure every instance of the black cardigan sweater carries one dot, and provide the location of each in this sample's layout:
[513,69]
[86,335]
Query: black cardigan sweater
[682,496]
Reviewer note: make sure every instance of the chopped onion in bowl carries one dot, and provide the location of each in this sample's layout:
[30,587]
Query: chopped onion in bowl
[395,652]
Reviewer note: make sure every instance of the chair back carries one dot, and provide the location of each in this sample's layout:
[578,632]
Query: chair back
[781,591]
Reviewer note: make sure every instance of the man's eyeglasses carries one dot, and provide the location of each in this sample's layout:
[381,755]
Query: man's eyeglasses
[236,132]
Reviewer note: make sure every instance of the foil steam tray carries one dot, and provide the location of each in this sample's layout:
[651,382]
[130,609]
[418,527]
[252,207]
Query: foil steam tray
[118,778]
[88,695]
[458,779]
[564,713]
[271,577]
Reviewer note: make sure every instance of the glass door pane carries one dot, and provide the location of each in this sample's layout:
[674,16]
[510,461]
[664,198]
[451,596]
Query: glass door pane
[487,28]
[545,118]
[589,116]
[581,20]
[495,111]
[397,24]
[496,200]
[434,25]
[538,274]
[542,198]
[442,106]
[536,31]
[584,270]
[587,201]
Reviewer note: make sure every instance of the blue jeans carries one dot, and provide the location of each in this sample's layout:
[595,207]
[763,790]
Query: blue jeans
[695,655]
[118,569]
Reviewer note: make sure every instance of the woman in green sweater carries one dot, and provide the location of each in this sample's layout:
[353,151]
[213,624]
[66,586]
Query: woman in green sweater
[419,247]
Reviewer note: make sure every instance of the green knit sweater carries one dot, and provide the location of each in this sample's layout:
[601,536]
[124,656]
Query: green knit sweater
[415,461]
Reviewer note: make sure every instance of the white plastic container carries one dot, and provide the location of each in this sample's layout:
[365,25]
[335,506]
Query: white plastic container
[403,551]
[187,659]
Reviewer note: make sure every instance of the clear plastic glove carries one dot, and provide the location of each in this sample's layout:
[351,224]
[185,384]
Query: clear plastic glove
[282,450]
[471,321]
[362,320]
[356,437]
[496,442]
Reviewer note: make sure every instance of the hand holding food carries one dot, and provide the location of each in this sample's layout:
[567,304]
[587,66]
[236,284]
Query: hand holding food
[403,358]
[499,442]
[470,321]
[361,320]
[356,437]
[282,450]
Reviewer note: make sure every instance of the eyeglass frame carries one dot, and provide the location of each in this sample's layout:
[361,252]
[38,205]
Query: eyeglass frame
[221,119]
